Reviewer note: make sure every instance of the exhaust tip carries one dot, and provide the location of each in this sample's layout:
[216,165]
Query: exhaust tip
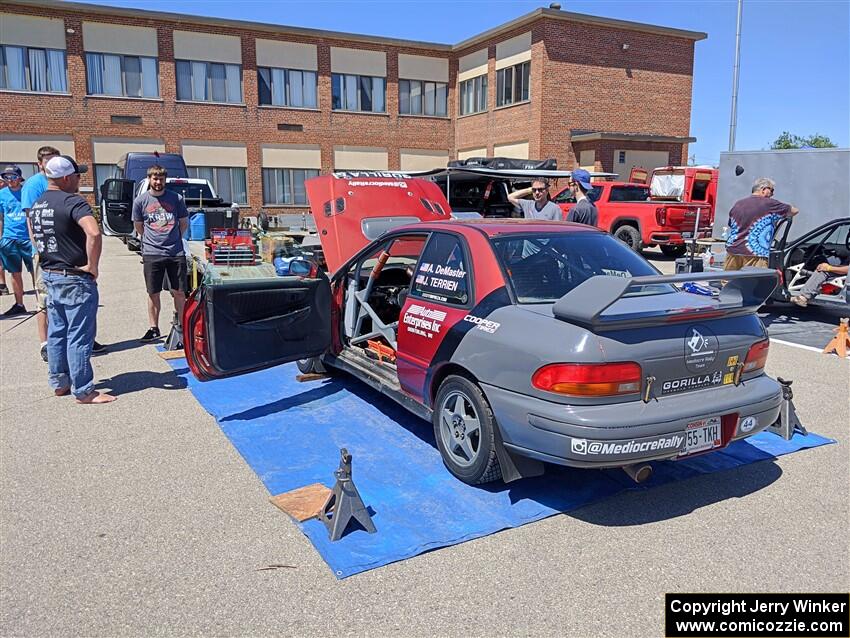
[638,473]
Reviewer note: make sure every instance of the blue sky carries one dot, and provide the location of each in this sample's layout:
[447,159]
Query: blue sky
[795,56]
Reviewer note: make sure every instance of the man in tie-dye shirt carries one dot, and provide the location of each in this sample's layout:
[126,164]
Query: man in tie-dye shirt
[752,222]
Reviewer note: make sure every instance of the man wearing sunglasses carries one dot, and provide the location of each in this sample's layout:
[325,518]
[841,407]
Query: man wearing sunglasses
[540,206]
[752,222]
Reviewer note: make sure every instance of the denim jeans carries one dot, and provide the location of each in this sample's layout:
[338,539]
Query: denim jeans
[71,319]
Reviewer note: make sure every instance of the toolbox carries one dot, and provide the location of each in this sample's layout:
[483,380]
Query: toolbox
[231,247]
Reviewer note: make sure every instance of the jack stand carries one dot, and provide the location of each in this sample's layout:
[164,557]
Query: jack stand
[840,343]
[175,337]
[344,503]
[788,422]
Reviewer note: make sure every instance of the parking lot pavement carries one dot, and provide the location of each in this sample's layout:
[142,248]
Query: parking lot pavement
[139,518]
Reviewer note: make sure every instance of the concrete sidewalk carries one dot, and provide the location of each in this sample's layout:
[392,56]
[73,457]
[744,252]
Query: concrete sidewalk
[139,518]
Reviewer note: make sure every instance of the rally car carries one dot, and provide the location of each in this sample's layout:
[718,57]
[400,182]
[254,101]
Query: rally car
[522,341]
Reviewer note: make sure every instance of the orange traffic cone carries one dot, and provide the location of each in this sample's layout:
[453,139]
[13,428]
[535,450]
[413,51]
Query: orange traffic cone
[841,341]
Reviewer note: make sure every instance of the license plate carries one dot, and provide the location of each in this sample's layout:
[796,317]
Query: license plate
[686,235]
[702,435]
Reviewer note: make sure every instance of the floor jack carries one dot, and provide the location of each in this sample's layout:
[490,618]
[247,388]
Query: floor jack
[175,337]
[344,503]
[788,422]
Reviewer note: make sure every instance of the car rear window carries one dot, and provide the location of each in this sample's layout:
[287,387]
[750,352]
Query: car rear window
[189,190]
[544,267]
[629,193]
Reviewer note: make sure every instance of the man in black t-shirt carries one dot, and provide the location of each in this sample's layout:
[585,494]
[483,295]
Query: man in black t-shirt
[68,241]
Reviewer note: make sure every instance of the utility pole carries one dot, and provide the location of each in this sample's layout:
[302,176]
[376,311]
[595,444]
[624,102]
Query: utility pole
[734,119]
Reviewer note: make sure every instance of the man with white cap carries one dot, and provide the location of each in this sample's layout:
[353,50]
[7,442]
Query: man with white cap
[68,241]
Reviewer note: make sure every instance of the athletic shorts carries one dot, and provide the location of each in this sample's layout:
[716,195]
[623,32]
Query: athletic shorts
[15,254]
[156,268]
[41,288]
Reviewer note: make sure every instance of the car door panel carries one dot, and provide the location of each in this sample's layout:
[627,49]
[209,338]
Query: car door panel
[238,327]
[117,206]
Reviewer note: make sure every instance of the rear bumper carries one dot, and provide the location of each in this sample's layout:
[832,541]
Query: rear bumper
[615,435]
[674,237]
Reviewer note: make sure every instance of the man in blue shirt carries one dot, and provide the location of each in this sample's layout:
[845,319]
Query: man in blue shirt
[15,246]
[34,188]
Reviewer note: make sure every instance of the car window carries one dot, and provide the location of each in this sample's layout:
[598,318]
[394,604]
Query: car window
[544,267]
[629,193]
[442,274]
[189,190]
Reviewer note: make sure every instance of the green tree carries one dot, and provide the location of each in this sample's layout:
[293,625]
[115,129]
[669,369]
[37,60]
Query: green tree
[787,140]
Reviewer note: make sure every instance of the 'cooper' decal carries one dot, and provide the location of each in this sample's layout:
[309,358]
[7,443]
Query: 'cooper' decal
[483,324]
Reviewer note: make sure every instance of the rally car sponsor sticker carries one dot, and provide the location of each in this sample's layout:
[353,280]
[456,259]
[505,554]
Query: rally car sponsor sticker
[700,348]
[692,383]
[483,324]
[583,447]
[422,321]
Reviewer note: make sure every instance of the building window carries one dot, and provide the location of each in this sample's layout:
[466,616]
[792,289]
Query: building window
[229,183]
[621,159]
[286,185]
[126,75]
[209,82]
[473,95]
[417,97]
[287,87]
[37,70]
[358,93]
[512,84]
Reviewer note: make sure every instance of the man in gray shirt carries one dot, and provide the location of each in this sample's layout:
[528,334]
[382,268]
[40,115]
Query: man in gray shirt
[584,212]
[540,207]
[160,219]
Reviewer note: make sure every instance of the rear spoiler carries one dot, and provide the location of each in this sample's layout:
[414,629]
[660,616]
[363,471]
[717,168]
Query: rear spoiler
[601,303]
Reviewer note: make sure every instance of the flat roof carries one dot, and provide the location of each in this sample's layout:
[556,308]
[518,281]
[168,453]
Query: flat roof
[357,37]
[593,136]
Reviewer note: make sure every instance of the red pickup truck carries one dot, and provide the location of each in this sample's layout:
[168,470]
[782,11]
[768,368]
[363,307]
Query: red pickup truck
[627,211]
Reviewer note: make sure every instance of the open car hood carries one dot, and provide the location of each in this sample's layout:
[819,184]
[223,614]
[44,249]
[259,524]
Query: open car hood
[354,208]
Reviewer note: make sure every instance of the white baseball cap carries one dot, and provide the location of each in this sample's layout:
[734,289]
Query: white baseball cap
[62,166]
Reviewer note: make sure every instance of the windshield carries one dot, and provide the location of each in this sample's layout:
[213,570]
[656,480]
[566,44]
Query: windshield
[544,267]
[189,190]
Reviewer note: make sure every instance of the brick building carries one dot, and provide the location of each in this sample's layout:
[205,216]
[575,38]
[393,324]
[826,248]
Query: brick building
[257,108]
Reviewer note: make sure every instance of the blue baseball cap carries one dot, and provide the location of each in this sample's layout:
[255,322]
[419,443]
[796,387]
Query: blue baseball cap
[12,170]
[582,177]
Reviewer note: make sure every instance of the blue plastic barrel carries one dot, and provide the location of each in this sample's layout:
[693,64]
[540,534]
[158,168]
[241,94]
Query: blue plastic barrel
[197,227]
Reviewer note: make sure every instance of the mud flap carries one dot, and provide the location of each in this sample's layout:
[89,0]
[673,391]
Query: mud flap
[514,466]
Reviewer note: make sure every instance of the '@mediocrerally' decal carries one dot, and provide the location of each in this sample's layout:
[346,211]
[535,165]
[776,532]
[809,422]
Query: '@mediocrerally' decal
[700,348]
[692,383]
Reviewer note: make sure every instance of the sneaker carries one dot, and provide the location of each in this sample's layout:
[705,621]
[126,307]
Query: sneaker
[44,353]
[98,348]
[800,300]
[15,310]
[151,335]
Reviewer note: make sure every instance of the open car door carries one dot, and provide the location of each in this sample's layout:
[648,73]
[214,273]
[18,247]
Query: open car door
[245,325]
[116,204]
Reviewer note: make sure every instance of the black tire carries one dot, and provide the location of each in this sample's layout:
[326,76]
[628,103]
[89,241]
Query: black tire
[673,250]
[630,236]
[471,458]
[313,365]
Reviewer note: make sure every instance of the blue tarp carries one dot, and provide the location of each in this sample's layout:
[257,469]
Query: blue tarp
[290,433]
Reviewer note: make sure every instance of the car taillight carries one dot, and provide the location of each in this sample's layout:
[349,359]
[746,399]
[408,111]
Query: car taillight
[757,356]
[661,215]
[589,379]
